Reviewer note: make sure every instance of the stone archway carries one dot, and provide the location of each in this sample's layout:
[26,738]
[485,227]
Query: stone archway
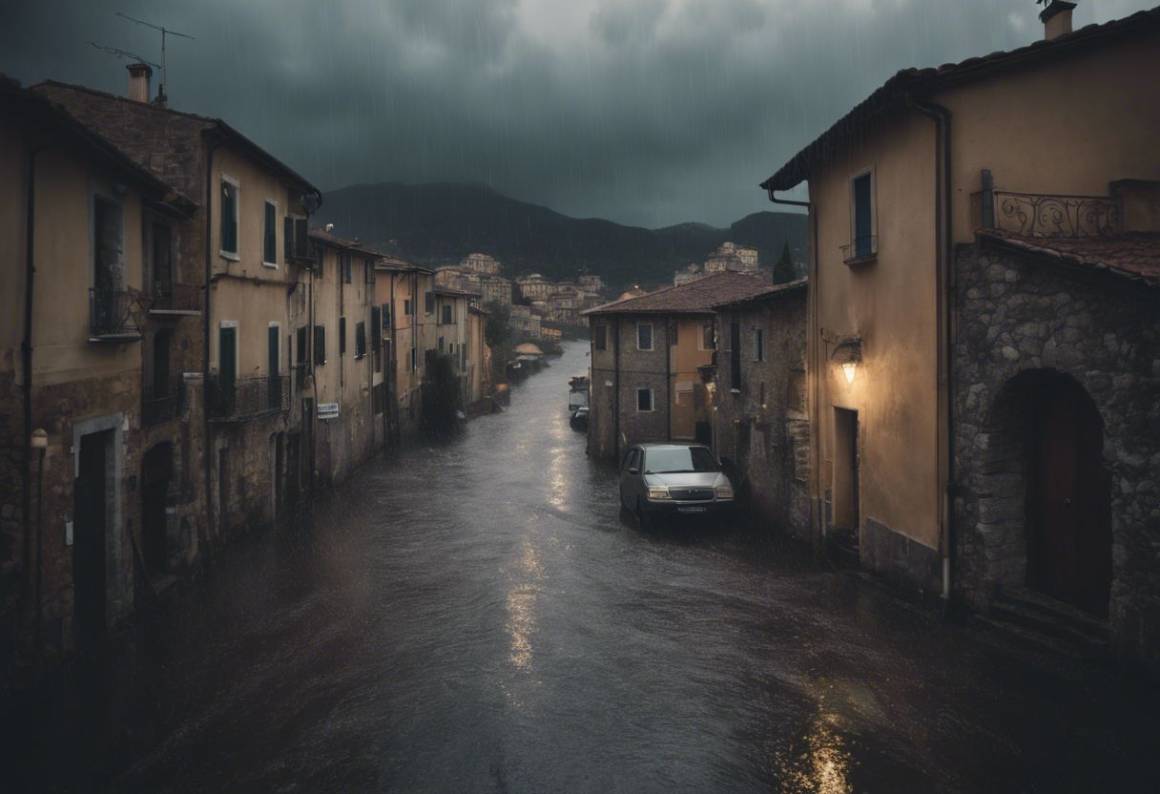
[1044,510]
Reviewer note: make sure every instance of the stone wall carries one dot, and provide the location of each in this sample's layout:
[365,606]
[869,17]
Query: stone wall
[628,371]
[1019,316]
[762,427]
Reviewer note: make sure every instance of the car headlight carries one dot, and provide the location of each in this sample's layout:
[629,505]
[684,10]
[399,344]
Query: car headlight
[724,491]
[657,492]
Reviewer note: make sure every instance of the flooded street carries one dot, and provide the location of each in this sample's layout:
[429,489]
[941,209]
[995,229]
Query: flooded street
[477,616]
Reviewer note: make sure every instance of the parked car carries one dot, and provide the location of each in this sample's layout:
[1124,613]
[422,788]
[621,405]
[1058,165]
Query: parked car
[579,419]
[670,479]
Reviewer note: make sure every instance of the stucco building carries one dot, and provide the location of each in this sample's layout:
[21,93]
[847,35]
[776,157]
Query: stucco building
[982,338]
[651,363]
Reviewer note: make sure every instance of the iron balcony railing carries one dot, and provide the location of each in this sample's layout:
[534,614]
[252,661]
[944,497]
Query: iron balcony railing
[1046,214]
[248,398]
[183,298]
[114,313]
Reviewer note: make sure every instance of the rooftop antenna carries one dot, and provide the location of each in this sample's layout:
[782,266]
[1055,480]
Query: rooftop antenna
[164,32]
[129,56]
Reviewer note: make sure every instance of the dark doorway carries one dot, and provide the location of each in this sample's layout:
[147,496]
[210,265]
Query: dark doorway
[90,531]
[156,472]
[845,486]
[1069,539]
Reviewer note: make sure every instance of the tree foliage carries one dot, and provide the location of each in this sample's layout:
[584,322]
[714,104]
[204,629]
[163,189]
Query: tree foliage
[785,270]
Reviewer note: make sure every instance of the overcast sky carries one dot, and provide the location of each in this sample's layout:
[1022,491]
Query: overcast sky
[648,112]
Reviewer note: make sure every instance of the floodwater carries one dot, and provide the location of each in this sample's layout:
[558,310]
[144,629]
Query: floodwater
[477,616]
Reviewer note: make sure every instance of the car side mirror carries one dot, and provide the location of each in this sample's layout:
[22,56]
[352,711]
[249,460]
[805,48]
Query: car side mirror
[634,471]
[726,462]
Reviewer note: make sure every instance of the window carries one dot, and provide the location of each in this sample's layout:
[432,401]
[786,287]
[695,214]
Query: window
[376,324]
[440,345]
[709,335]
[108,270]
[360,340]
[342,336]
[429,303]
[675,460]
[758,344]
[319,345]
[161,261]
[600,336]
[369,271]
[863,211]
[229,218]
[386,315]
[408,310]
[644,337]
[300,346]
[735,355]
[413,359]
[270,236]
[644,400]
[448,314]
[295,238]
[344,264]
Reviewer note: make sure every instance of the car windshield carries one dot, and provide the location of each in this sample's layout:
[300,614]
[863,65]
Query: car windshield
[673,460]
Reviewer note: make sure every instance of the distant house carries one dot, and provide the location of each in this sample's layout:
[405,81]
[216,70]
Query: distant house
[650,363]
[983,340]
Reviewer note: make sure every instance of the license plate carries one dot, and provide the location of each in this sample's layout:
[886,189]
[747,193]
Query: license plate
[690,510]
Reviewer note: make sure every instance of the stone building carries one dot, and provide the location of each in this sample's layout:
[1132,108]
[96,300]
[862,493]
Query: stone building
[729,256]
[760,422]
[496,289]
[943,337]
[651,362]
[405,294]
[98,464]
[482,264]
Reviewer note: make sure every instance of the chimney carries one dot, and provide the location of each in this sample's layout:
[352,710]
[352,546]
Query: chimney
[139,74]
[1056,19]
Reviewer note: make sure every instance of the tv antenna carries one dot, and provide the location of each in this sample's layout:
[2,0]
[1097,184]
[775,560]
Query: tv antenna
[129,56]
[164,32]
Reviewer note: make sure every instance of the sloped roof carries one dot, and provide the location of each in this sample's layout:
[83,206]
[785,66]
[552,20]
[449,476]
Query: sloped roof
[169,143]
[1134,256]
[920,83]
[696,297]
[776,290]
[334,241]
[27,105]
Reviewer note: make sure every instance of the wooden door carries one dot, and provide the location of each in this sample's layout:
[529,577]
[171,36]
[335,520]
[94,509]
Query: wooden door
[89,557]
[1070,541]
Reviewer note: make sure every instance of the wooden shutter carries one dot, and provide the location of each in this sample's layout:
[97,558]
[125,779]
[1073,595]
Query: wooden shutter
[319,344]
[376,326]
[342,336]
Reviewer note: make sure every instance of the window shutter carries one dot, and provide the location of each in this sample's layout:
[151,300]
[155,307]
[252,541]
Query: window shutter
[319,344]
[376,324]
[288,238]
[300,344]
[342,336]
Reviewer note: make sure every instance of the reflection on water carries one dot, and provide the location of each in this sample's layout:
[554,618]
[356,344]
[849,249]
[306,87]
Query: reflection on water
[822,766]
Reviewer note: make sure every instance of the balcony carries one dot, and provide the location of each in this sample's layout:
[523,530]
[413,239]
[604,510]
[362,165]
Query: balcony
[175,300]
[245,399]
[1046,215]
[114,315]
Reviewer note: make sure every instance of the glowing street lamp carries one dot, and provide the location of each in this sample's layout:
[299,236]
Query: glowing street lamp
[847,355]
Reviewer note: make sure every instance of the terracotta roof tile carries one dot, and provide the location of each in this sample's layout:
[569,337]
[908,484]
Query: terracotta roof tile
[696,297]
[768,292]
[1132,255]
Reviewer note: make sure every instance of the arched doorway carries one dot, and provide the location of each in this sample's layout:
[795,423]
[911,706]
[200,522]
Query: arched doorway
[1049,513]
[156,472]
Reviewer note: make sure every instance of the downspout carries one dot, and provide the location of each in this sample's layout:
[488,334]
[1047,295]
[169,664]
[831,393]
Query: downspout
[26,364]
[616,390]
[814,355]
[944,437]
[207,443]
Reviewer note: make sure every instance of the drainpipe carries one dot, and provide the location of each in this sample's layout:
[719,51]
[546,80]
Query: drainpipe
[944,285]
[207,443]
[814,364]
[616,390]
[26,364]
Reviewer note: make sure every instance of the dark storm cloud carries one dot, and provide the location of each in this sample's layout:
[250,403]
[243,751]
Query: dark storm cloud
[645,111]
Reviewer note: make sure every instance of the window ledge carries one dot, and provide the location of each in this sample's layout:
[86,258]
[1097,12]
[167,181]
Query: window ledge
[230,256]
[856,261]
[272,265]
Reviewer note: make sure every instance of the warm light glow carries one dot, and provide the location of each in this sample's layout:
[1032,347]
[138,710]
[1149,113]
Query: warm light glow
[850,369]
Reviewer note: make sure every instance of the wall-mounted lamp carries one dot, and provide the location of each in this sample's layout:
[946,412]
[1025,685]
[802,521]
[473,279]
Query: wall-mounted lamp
[847,355]
[39,439]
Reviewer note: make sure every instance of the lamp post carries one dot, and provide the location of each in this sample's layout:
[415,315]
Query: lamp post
[39,442]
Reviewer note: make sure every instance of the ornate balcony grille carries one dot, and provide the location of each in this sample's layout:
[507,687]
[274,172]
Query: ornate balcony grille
[115,313]
[248,398]
[1047,215]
